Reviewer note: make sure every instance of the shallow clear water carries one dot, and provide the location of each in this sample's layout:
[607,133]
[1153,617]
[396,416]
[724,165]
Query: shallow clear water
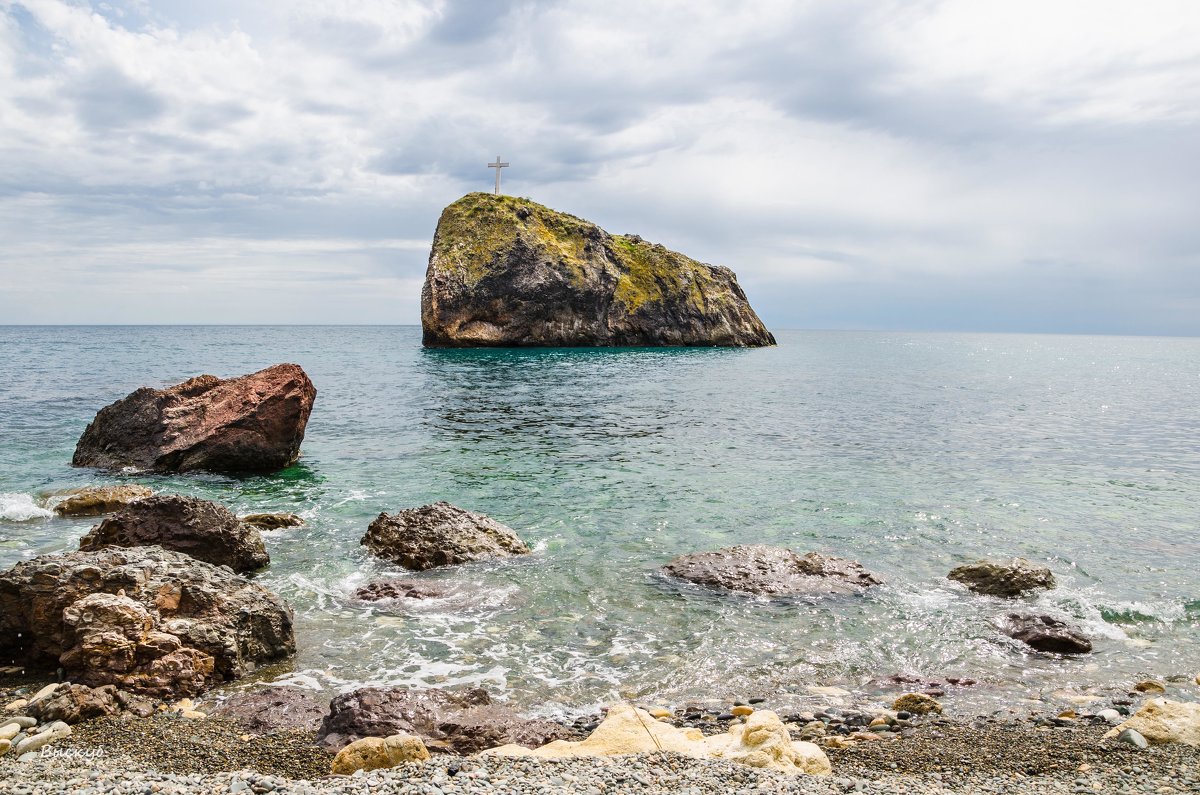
[909,452]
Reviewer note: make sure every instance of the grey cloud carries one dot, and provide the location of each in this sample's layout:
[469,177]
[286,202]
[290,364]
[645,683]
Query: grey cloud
[107,99]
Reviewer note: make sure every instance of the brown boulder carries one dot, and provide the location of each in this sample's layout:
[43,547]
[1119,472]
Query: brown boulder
[270,709]
[1046,633]
[146,619]
[1000,578]
[463,723]
[273,521]
[772,571]
[205,530]
[440,534]
[72,703]
[98,500]
[253,423]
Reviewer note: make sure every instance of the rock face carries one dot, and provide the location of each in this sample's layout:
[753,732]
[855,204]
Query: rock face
[772,571]
[98,500]
[145,619]
[762,741]
[507,272]
[271,709]
[373,753]
[1046,633]
[254,423]
[463,723]
[1007,579]
[205,530]
[440,534]
[1162,721]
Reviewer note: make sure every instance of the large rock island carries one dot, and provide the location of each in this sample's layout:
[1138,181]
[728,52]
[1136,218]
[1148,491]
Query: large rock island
[508,272]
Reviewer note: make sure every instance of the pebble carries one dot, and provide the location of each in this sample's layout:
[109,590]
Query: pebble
[742,710]
[1133,737]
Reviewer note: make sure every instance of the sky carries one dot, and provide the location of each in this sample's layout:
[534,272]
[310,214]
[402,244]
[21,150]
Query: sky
[1027,165]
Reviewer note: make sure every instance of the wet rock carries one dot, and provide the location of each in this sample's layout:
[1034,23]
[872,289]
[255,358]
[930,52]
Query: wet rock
[205,530]
[400,588]
[273,521]
[461,722]
[508,272]
[271,709]
[773,571]
[373,753]
[1150,686]
[916,704]
[72,703]
[998,578]
[1046,633]
[254,423]
[149,620]
[98,500]
[440,534]
[1161,721]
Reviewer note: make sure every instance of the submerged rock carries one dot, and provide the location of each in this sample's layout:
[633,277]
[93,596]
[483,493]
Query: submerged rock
[273,521]
[762,741]
[999,578]
[146,619]
[400,587]
[1046,633]
[440,534]
[1161,721]
[269,709]
[98,500]
[205,530]
[772,571]
[254,423]
[506,272]
[461,722]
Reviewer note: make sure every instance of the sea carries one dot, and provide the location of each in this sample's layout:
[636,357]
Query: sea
[909,452]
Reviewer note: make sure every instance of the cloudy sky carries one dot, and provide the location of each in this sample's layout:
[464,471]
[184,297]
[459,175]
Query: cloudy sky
[1027,165]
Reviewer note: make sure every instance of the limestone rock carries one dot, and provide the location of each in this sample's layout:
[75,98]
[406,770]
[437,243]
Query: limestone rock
[1162,721]
[1007,579]
[917,704]
[269,709]
[509,272]
[1046,633]
[762,741]
[373,753]
[773,571]
[273,521]
[254,423]
[440,534]
[98,500]
[182,626]
[1150,686]
[205,530]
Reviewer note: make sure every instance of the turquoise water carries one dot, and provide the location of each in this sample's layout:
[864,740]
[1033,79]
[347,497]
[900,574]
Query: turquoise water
[909,452]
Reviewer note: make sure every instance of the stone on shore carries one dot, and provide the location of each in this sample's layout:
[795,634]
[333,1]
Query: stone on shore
[461,722]
[273,521]
[148,620]
[917,704]
[440,534]
[1046,633]
[1163,721]
[269,709]
[253,423]
[99,500]
[373,753]
[772,571]
[999,578]
[205,530]
[762,741]
[510,272]
[72,703]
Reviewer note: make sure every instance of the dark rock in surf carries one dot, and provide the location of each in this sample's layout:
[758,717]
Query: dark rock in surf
[400,588]
[1045,633]
[772,571]
[1003,578]
[273,521]
[254,423]
[440,534]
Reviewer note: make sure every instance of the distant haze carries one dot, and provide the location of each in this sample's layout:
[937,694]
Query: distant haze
[967,165]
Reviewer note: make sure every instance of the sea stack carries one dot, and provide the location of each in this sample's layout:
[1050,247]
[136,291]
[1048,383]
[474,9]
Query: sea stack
[508,272]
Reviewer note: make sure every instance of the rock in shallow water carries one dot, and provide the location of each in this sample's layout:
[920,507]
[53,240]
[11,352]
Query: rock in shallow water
[509,272]
[205,530]
[772,571]
[401,588]
[254,423]
[1046,633]
[1007,579]
[440,534]
[98,500]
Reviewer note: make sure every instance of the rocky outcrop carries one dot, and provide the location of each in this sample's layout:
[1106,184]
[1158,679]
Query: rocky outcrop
[509,272]
[1046,633]
[145,619]
[254,423]
[762,741]
[400,588]
[270,709]
[98,500]
[1162,721]
[205,530]
[72,703]
[273,521]
[373,753]
[440,534]
[462,723]
[999,578]
[771,571]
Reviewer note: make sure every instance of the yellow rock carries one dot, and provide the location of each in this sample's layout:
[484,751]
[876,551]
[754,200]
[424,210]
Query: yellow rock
[762,741]
[1150,686]
[879,722]
[194,714]
[742,711]
[184,704]
[372,753]
[16,706]
[1161,721]
[1067,713]
[244,737]
[917,704]
[835,741]
[660,712]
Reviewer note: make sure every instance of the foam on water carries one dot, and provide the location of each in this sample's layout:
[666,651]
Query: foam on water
[21,508]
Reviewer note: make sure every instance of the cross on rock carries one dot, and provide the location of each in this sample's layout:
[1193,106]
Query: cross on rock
[497,165]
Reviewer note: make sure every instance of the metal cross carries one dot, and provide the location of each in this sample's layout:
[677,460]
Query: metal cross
[497,165]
